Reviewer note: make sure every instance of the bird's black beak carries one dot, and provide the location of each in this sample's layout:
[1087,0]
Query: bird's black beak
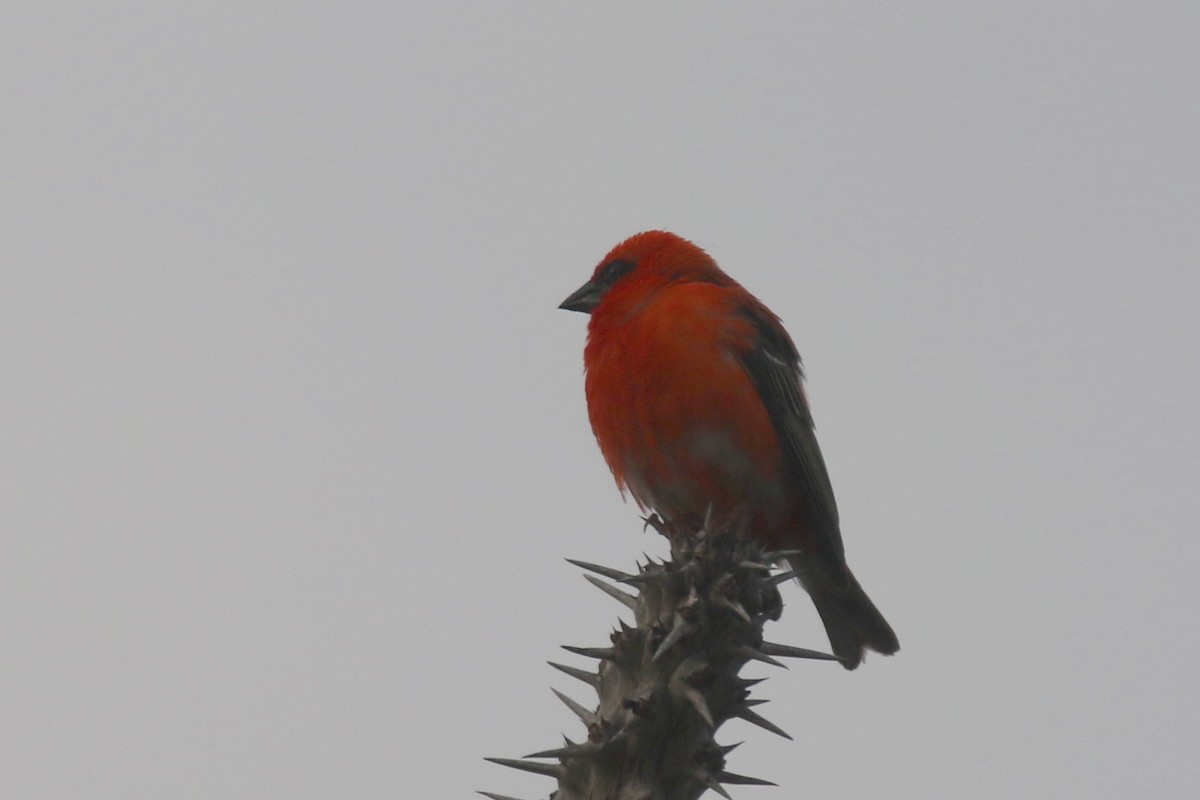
[584,299]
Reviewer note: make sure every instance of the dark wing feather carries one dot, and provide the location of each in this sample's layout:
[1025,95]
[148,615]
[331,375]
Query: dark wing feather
[773,364]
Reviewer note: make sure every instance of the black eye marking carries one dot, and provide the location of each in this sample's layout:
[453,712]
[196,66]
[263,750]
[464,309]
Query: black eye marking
[613,271]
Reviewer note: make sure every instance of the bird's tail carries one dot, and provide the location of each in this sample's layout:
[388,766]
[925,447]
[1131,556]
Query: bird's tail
[853,622]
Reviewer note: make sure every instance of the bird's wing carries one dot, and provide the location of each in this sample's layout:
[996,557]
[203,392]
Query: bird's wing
[773,364]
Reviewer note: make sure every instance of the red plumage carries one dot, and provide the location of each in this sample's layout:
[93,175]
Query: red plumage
[694,394]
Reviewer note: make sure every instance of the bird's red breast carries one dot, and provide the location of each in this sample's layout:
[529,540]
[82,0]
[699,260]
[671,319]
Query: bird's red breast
[664,383]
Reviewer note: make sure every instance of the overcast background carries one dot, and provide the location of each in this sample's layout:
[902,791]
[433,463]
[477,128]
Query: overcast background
[293,438]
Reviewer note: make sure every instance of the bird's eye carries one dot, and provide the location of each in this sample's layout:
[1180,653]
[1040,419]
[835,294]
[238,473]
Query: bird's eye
[614,271]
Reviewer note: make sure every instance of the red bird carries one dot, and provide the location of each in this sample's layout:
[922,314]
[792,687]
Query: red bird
[693,391]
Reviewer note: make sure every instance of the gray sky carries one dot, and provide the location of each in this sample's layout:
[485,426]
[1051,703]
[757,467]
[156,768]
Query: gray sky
[294,440]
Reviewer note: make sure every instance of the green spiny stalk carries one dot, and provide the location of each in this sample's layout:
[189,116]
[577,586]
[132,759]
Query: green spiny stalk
[667,684]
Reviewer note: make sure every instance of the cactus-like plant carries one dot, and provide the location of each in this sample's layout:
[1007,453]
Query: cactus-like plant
[669,682]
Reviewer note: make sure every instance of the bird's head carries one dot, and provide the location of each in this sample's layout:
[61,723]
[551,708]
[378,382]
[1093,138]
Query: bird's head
[643,262]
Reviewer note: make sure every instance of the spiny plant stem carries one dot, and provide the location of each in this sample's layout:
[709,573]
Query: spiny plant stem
[667,684]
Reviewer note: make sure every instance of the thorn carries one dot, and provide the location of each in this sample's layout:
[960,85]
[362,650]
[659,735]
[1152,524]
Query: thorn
[787,651]
[783,577]
[608,572]
[705,777]
[732,605]
[549,770]
[746,683]
[680,630]
[744,780]
[590,678]
[645,578]
[693,696]
[708,519]
[608,653]
[588,717]
[755,719]
[779,555]
[574,751]
[629,600]
[494,796]
[726,749]
[750,653]
[754,565]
